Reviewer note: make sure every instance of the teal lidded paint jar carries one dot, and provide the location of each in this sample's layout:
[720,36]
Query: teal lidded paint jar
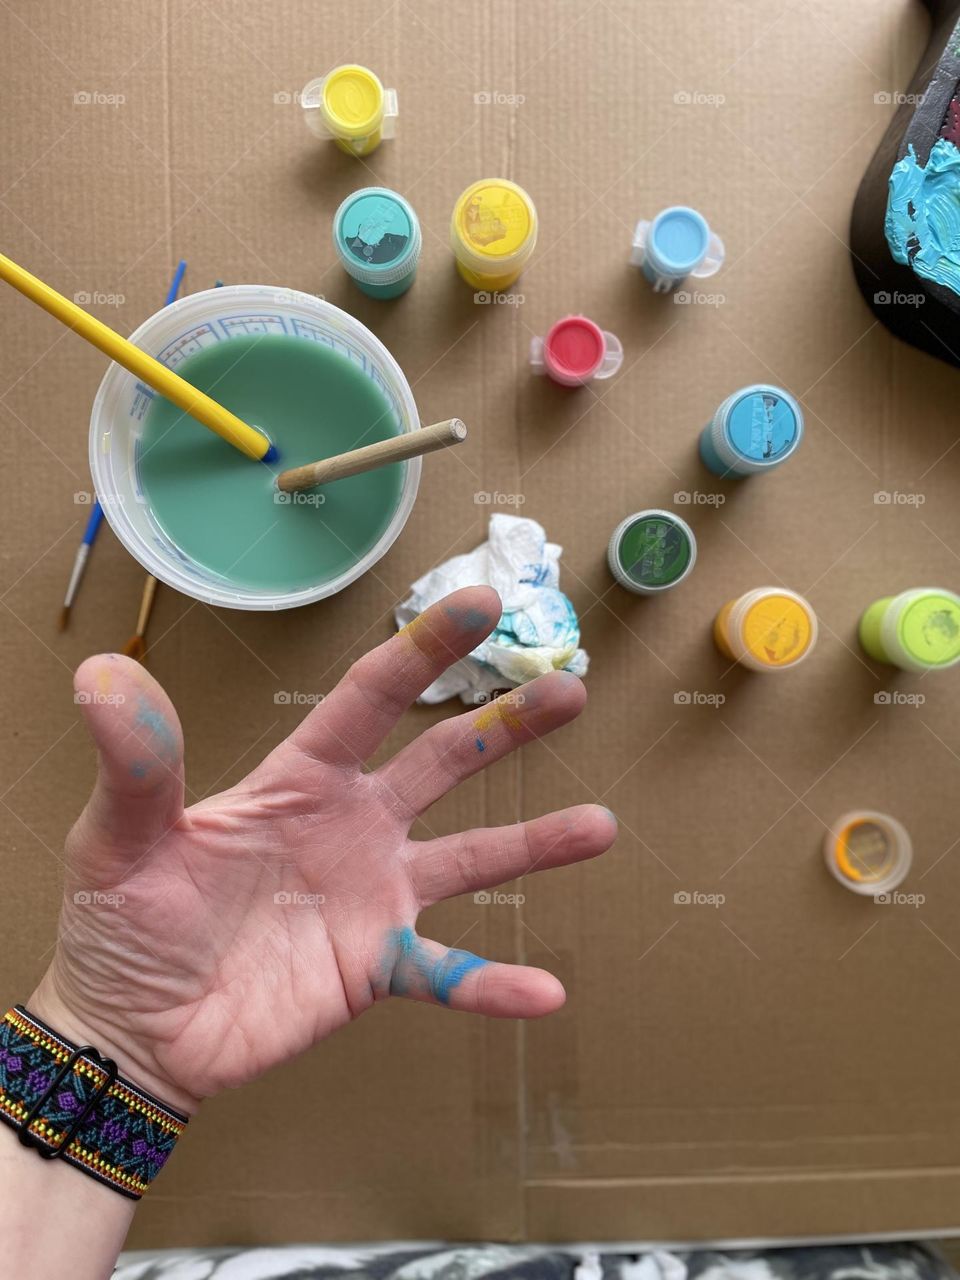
[377,238]
[754,430]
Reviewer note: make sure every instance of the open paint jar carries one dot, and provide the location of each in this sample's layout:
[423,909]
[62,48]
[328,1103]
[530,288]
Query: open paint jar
[207,520]
[868,852]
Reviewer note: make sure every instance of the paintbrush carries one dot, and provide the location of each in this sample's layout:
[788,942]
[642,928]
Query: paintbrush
[80,562]
[410,444]
[136,646]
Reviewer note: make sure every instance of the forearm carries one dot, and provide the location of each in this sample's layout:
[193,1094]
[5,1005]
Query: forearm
[54,1220]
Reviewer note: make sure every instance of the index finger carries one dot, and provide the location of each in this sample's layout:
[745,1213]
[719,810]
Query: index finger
[353,720]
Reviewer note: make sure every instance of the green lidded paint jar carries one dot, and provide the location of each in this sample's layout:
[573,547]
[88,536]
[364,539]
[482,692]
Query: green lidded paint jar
[651,551]
[377,238]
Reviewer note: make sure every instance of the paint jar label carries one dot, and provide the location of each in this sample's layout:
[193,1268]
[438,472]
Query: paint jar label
[762,426]
[654,551]
[776,630]
[494,220]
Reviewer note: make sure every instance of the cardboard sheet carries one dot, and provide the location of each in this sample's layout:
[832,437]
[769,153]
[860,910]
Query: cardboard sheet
[783,1064]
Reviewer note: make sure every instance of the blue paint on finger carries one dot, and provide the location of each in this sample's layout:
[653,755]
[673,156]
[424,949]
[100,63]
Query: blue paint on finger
[450,971]
[413,971]
[481,745]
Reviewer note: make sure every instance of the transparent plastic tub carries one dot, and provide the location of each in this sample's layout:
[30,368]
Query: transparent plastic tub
[172,336]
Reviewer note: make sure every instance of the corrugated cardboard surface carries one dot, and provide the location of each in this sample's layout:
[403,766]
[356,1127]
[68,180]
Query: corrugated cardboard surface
[784,1064]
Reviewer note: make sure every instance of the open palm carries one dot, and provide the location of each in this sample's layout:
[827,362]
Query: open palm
[204,946]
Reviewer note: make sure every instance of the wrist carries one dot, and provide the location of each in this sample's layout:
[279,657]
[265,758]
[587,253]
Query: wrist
[81,1027]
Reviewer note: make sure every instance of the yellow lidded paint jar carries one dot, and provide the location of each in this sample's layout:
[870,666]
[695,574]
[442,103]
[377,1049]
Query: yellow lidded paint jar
[351,106]
[493,232]
[768,629]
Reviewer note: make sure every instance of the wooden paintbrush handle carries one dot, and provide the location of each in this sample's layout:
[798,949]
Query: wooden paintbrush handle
[409,445]
[146,603]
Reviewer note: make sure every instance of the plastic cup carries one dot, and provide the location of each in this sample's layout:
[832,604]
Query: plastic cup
[493,232]
[768,629]
[351,106]
[174,334]
[377,238]
[917,630]
[677,244]
[651,551]
[754,430]
[868,852]
[576,351]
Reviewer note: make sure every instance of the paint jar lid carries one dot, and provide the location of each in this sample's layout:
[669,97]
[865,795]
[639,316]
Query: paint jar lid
[777,628]
[762,424]
[494,226]
[868,852]
[651,551]
[377,236]
[575,346]
[352,101]
[928,628]
[678,240]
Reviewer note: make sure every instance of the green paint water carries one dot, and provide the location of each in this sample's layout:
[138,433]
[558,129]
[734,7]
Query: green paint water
[221,507]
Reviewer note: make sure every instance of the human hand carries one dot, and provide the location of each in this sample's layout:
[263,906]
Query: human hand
[201,947]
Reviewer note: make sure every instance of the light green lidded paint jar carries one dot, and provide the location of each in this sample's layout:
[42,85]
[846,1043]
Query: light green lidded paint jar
[651,551]
[377,238]
[917,630]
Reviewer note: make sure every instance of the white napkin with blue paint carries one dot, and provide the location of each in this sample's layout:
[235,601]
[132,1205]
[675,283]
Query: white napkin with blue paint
[539,630]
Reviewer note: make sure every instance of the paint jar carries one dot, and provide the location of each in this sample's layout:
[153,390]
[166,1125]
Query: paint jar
[576,351]
[175,334]
[351,106]
[676,245]
[768,629]
[753,431]
[493,231]
[917,630]
[377,238]
[651,551]
[868,852]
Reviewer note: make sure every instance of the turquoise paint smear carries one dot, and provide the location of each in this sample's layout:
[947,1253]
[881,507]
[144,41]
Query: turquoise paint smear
[414,971]
[922,223]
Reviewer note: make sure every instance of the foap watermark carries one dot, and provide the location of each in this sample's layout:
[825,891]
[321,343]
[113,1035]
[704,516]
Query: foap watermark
[85,498]
[892,97]
[302,498]
[510,697]
[896,498]
[98,898]
[696,298]
[496,898]
[697,698]
[497,98]
[698,498]
[897,899]
[486,298]
[98,298]
[883,298]
[287,98]
[694,898]
[297,898]
[97,698]
[697,98]
[494,498]
[894,698]
[297,698]
[97,98]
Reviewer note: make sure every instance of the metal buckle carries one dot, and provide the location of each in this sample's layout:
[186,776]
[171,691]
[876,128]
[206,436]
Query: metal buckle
[109,1068]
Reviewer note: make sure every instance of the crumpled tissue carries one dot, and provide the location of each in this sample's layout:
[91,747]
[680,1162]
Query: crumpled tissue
[539,630]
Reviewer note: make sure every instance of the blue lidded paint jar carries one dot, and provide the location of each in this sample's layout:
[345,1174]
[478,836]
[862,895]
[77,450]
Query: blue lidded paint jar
[377,238]
[677,244]
[754,430]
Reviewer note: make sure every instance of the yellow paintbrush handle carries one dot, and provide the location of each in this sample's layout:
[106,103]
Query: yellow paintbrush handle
[186,397]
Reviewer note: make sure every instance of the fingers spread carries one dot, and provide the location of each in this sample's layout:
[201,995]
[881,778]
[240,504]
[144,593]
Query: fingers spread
[354,719]
[139,789]
[489,856]
[455,749]
[420,969]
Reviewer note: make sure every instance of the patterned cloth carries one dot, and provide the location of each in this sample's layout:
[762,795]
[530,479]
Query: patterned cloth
[534,1262]
[127,1135]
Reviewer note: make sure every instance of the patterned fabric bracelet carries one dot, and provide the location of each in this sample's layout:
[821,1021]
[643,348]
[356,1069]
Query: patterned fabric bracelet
[70,1103]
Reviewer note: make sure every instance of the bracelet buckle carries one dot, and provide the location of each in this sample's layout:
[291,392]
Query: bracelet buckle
[109,1068]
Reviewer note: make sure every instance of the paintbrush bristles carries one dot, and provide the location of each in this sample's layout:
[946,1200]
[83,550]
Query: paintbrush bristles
[410,444]
[136,646]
